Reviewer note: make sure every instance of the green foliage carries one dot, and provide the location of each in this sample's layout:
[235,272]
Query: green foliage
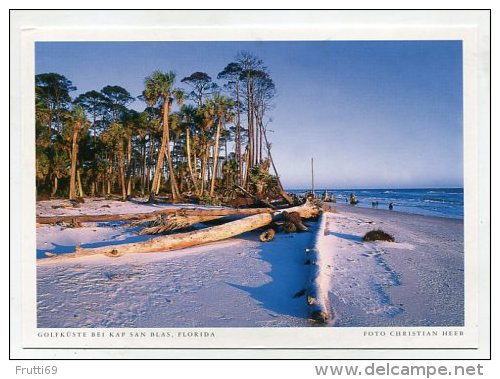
[42,165]
[229,172]
[113,140]
[158,87]
[113,135]
[52,98]
[206,199]
[202,85]
[262,183]
[116,99]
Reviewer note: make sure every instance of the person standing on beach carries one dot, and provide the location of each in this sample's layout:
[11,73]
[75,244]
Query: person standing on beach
[353,199]
[391,206]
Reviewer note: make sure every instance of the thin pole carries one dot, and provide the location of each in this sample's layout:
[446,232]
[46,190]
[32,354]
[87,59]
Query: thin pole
[312,175]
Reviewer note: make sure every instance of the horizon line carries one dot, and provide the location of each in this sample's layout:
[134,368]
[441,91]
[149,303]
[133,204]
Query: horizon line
[375,188]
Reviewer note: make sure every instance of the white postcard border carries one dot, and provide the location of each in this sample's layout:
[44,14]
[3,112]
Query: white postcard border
[254,338]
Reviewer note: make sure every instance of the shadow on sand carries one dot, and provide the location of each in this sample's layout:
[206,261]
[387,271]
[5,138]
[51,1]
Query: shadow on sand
[349,237]
[288,272]
[65,249]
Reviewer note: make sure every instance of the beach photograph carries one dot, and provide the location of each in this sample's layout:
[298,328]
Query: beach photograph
[249,184]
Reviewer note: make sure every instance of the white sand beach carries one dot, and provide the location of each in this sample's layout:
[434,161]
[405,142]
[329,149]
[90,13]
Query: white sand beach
[242,282]
[418,280]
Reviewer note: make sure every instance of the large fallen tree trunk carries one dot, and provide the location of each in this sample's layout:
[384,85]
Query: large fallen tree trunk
[176,241]
[195,212]
[194,238]
[169,222]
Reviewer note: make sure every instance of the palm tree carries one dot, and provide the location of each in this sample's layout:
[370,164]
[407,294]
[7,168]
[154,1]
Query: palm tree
[96,105]
[132,123]
[205,118]
[188,115]
[78,122]
[118,135]
[159,90]
[59,164]
[221,106]
[143,132]
[232,73]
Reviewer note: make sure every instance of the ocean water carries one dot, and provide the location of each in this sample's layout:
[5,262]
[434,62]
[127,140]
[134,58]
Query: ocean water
[441,202]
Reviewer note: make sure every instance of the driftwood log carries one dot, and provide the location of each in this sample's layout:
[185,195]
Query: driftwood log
[286,197]
[166,222]
[194,238]
[194,212]
[267,235]
[257,199]
[293,222]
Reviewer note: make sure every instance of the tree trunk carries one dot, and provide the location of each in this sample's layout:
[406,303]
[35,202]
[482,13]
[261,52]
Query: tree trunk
[144,167]
[149,185]
[257,199]
[226,153]
[246,160]
[204,164]
[74,152]
[283,194]
[93,187]
[103,185]
[165,151]
[129,165]
[238,134]
[159,163]
[250,126]
[216,158]
[261,132]
[185,212]
[255,144]
[195,161]
[209,171]
[109,173]
[94,118]
[54,188]
[121,168]
[169,222]
[51,119]
[295,219]
[197,237]
[79,181]
[175,241]
[182,182]
[173,182]
[190,166]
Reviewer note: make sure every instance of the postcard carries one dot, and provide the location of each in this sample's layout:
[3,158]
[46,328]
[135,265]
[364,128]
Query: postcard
[198,185]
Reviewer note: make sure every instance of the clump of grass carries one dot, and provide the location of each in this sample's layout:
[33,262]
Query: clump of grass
[378,235]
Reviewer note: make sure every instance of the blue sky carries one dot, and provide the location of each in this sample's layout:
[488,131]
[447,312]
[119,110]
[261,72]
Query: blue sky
[373,114]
